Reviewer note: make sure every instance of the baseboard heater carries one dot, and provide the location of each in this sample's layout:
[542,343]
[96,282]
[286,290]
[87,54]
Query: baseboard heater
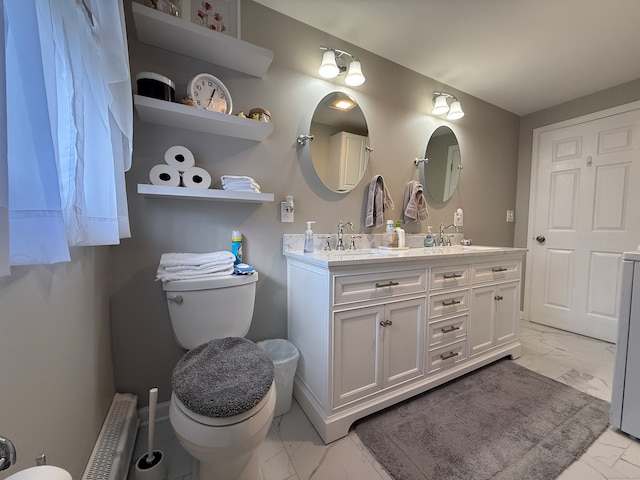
[111,455]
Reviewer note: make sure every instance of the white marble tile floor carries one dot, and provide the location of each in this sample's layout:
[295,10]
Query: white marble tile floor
[294,451]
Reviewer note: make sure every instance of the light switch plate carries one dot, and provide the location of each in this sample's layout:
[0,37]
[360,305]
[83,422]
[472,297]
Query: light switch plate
[510,216]
[285,216]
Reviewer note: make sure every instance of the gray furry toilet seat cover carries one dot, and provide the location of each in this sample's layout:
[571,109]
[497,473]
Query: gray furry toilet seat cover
[223,377]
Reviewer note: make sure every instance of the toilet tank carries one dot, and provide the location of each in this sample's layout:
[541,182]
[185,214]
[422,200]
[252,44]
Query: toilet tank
[215,307]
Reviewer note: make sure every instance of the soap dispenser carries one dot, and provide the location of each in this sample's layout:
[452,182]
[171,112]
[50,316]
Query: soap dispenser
[429,241]
[308,239]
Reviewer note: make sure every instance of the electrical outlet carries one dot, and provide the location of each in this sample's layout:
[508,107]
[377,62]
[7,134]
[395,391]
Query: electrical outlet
[286,212]
[510,216]
[458,218]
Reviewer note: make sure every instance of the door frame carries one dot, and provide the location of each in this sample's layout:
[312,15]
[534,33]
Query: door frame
[531,242]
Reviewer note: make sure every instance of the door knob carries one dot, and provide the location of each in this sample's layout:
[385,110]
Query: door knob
[540,239]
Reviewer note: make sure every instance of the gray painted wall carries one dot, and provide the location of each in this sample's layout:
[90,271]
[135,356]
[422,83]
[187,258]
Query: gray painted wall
[56,374]
[396,103]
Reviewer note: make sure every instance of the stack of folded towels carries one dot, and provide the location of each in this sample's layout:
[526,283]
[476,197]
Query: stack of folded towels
[239,183]
[188,266]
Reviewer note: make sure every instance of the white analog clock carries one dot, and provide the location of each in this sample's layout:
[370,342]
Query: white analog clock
[209,92]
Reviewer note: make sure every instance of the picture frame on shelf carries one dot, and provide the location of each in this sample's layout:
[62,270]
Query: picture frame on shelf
[219,15]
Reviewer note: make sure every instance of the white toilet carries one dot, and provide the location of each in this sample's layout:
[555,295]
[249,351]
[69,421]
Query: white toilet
[223,395]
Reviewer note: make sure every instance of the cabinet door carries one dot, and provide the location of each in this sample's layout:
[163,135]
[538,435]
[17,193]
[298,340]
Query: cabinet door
[493,316]
[481,319]
[403,339]
[507,312]
[357,357]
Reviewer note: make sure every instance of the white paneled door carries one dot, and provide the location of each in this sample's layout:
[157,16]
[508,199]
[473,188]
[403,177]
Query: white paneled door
[585,211]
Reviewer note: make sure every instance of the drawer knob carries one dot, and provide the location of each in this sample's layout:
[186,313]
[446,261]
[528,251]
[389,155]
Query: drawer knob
[452,302]
[447,356]
[447,276]
[386,323]
[499,297]
[450,329]
[388,284]
[498,270]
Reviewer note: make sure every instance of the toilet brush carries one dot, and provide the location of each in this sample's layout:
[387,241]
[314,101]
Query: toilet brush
[151,465]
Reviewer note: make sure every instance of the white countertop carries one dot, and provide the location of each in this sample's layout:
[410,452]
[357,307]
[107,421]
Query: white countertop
[378,256]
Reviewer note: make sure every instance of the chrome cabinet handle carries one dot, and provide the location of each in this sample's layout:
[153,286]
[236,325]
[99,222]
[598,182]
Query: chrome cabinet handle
[450,329]
[498,270]
[386,323]
[452,302]
[453,275]
[388,284]
[447,356]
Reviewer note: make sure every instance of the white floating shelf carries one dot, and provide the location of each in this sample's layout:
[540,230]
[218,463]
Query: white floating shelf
[162,191]
[177,115]
[179,35]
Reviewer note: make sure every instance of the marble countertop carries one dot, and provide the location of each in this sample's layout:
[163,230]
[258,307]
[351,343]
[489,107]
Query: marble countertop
[381,256]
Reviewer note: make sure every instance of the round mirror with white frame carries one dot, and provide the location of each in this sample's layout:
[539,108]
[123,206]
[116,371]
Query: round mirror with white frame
[441,172]
[340,147]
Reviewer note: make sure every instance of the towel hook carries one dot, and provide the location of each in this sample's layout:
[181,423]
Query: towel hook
[304,139]
[418,161]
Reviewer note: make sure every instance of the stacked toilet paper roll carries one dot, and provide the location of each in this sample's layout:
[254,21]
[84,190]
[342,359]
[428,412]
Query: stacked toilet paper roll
[179,169]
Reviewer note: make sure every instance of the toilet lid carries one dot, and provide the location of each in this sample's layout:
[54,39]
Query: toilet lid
[223,377]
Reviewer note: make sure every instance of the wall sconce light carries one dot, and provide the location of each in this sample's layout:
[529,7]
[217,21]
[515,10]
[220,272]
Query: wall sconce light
[441,106]
[333,64]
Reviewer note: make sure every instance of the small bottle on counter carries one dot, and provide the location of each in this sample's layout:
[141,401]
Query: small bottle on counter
[308,239]
[429,241]
[400,233]
[390,238]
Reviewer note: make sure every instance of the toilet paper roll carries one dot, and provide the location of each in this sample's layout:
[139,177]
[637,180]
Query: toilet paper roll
[164,175]
[180,158]
[196,177]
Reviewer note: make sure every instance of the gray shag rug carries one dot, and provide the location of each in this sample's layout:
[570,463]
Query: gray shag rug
[502,422]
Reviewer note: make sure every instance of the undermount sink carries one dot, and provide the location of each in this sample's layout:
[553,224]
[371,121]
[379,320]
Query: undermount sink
[478,248]
[42,472]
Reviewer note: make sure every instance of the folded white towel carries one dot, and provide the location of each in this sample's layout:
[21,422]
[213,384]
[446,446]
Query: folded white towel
[167,277]
[242,188]
[174,259]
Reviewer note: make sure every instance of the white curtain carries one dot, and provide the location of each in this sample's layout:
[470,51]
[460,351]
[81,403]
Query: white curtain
[69,126]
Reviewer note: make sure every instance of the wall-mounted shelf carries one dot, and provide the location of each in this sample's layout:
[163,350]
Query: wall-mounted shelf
[177,115]
[162,191]
[179,35]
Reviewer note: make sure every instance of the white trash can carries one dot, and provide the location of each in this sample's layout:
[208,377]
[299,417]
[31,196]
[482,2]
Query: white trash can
[284,355]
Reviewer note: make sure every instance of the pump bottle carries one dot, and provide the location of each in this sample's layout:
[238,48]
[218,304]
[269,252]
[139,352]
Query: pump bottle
[308,239]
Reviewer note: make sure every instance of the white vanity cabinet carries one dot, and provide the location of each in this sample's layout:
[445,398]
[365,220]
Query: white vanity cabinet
[373,330]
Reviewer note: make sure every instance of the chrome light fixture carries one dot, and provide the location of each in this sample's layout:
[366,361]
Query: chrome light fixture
[441,106]
[333,64]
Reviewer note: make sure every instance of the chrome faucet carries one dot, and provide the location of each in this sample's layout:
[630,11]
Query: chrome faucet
[441,240]
[340,244]
[7,453]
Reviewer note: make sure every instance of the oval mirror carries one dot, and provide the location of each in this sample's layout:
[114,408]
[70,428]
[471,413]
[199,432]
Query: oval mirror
[441,172]
[340,147]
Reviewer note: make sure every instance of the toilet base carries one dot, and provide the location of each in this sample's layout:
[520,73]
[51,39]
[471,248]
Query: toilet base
[225,453]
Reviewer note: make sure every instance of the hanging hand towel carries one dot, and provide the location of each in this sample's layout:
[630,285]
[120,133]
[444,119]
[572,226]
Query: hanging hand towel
[379,200]
[414,205]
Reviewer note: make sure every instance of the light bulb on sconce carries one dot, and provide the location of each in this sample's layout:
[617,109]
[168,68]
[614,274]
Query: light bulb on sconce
[441,106]
[333,64]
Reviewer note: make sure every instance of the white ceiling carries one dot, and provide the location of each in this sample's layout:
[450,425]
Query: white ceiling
[522,55]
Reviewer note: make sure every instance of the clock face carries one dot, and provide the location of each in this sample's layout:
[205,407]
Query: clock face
[210,93]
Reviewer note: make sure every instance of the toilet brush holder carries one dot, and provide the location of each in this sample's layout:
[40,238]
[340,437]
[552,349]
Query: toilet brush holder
[156,469]
[151,465]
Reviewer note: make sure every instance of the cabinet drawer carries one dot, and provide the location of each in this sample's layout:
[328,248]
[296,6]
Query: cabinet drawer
[445,277]
[448,303]
[447,331]
[447,356]
[496,270]
[355,288]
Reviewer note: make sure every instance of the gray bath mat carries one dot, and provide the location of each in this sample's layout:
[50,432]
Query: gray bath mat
[502,422]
